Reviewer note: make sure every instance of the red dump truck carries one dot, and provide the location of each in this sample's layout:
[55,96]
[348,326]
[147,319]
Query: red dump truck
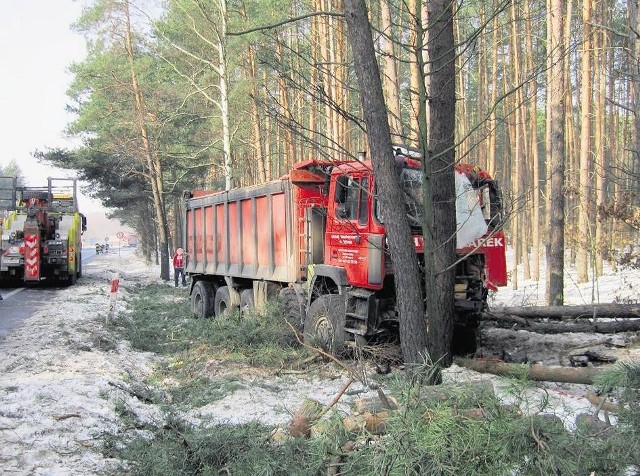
[317,237]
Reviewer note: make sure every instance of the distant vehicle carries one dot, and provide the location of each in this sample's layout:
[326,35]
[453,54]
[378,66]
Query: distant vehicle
[41,236]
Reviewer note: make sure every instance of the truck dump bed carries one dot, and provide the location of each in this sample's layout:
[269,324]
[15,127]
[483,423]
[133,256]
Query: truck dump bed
[243,233]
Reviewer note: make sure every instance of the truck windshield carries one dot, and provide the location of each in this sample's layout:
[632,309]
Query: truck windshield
[411,183]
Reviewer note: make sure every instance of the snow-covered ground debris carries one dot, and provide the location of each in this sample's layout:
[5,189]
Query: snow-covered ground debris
[61,375]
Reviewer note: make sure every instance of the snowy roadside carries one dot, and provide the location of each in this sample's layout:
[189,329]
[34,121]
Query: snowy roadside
[58,370]
[61,377]
[55,397]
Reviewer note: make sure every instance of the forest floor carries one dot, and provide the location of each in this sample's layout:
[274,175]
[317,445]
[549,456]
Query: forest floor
[62,377]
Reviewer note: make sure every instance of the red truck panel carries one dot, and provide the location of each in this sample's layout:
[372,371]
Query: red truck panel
[244,233]
[493,246]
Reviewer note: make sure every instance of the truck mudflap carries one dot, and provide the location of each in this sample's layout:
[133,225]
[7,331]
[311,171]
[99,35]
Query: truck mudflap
[31,255]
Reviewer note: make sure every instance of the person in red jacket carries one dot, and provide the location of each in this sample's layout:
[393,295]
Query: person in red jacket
[178,266]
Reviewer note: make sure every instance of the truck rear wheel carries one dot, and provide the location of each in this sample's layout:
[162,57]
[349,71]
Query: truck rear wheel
[246,300]
[202,299]
[324,324]
[223,301]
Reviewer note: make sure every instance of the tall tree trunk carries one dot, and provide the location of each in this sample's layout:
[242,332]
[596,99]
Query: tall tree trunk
[633,62]
[412,324]
[440,88]
[152,161]
[518,236]
[223,82]
[463,129]
[283,88]
[493,122]
[556,97]
[416,75]
[600,119]
[533,146]
[390,73]
[258,143]
[584,185]
[571,139]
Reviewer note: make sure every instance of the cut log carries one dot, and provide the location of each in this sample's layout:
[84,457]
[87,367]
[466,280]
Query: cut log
[525,324]
[601,403]
[307,415]
[535,372]
[571,312]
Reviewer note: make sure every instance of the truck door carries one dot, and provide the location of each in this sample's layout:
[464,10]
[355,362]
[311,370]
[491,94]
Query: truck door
[349,242]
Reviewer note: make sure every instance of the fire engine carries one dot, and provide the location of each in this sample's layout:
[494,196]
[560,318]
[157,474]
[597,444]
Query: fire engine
[41,232]
[318,235]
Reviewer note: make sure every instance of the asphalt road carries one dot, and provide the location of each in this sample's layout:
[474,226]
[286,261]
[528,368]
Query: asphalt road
[19,303]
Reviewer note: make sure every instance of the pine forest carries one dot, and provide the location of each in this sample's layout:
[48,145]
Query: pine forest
[213,94]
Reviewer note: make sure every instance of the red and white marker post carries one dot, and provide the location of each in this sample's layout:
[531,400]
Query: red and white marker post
[115,284]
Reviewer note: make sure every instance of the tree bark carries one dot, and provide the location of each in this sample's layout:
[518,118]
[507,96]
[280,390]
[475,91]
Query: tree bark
[544,373]
[405,261]
[390,77]
[634,73]
[584,206]
[533,147]
[555,245]
[440,88]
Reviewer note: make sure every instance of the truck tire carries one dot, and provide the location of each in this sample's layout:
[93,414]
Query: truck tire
[292,307]
[246,300]
[202,300]
[325,322]
[222,302]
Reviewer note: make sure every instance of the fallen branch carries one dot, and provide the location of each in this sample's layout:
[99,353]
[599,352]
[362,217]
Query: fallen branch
[353,372]
[139,395]
[571,312]
[66,417]
[601,403]
[535,372]
[523,324]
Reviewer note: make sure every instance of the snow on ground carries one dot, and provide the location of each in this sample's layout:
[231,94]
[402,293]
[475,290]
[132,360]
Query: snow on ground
[60,379]
[621,285]
[54,379]
[60,374]
[566,401]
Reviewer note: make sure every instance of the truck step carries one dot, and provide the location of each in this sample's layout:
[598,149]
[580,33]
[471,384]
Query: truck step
[359,293]
[353,315]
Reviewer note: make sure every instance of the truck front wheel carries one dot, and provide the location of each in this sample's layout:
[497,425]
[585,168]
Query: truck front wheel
[324,324]
[202,299]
